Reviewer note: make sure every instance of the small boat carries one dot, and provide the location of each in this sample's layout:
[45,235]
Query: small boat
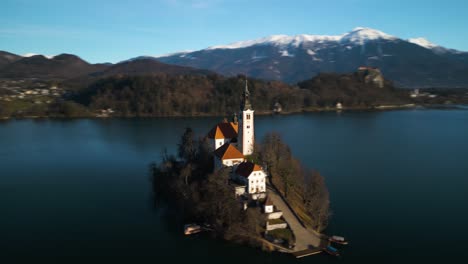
[332,251]
[191,229]
[338,240]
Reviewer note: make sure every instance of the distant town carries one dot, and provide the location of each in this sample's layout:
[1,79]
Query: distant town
[31,89]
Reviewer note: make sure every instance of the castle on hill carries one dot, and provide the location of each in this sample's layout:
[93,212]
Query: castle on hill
[232,143]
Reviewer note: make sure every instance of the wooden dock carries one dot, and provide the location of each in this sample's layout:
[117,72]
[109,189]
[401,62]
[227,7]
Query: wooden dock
[307,252]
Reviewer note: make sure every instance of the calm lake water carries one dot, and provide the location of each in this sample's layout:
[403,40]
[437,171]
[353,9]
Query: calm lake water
[79,190]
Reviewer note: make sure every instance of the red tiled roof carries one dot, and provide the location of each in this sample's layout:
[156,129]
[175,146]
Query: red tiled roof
[215,133]
[223,130]
[228,151]
[246,168]
[236,127]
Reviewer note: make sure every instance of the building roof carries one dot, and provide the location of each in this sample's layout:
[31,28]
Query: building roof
[235,126]
[224,130]
[228,151]
[268,201]
[246,168]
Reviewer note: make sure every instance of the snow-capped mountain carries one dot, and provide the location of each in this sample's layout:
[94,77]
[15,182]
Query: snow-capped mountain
[434,47]
[27,55]
[358,35]
[410,63]
[423,43]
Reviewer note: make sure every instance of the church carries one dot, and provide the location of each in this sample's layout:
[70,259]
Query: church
[232,143]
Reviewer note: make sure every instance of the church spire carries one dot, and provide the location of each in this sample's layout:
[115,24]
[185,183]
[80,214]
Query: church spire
[245,98]
[246,126]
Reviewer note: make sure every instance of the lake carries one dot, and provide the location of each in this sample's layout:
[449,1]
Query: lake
[79,190]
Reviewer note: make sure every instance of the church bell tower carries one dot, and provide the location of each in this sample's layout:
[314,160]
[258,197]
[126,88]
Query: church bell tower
[246,126]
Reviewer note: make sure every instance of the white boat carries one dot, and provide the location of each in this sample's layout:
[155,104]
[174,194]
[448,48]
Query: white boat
[338,239]
[190,229]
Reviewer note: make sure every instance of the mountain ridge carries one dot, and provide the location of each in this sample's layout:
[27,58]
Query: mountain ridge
[358,34]
[62,66]
[7,58]
[412,63]
[296,58]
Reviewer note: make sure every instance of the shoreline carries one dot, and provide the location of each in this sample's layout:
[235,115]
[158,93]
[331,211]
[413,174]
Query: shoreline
[379,108]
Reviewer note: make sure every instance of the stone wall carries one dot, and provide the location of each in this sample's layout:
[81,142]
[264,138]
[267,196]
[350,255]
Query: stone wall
[275,215]
[276,226]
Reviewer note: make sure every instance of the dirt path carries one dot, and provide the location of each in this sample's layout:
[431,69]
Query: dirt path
[305,239]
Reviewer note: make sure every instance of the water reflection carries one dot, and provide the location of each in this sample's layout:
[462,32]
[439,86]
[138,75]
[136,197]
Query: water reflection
[391,175]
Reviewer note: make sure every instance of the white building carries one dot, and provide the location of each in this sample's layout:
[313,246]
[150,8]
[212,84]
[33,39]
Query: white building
[253,177]
[227,155]
[268,207]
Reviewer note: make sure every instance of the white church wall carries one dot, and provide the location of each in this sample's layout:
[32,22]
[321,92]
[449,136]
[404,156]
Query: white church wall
[219,142]
[246,132]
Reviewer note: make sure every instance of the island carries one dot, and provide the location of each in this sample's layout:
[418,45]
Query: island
[243,191]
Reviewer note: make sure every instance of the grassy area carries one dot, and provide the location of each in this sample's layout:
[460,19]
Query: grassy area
[48,106]
[285,234]
[276,221]
[296,202]
[14,106]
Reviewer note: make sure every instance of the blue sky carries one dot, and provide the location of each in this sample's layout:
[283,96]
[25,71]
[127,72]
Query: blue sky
[115,30]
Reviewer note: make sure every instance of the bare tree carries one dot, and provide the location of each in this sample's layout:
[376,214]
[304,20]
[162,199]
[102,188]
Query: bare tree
[316,199]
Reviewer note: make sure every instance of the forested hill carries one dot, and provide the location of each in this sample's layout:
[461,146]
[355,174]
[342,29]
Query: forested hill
[185,95]
[139,67]
[190,95]
[353,90]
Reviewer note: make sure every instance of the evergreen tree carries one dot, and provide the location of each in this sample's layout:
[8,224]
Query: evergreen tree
[187,147]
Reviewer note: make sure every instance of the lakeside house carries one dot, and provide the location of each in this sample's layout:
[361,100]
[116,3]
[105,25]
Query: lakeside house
[253,177]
